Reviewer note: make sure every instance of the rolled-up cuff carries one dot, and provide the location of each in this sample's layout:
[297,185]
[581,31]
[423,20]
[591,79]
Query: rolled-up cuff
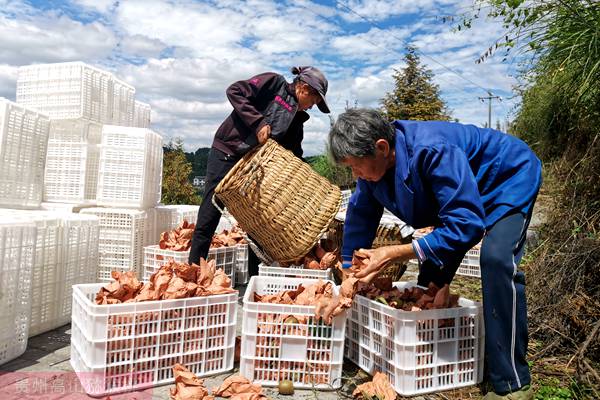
[418,251]
[425,252]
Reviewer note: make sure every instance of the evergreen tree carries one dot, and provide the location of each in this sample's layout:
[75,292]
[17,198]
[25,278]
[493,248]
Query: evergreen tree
[415,96]
[176,186]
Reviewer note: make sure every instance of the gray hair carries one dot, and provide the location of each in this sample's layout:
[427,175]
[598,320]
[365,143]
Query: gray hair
[355,132]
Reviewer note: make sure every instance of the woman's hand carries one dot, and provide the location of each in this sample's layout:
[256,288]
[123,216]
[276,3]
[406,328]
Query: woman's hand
[378,259]
[382,257]
[264,134]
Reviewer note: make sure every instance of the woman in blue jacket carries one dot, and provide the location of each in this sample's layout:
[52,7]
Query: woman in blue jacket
[468,182]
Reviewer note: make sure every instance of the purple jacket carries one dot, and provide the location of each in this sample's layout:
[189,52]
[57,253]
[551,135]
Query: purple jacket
[263,99]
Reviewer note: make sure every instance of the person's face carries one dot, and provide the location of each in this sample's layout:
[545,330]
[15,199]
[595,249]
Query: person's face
[371,168]
[307,96]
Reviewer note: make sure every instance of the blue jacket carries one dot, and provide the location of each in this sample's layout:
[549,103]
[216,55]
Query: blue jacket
[459,178]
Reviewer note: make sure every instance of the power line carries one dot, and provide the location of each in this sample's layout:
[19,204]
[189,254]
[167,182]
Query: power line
[386,49]
[374,24]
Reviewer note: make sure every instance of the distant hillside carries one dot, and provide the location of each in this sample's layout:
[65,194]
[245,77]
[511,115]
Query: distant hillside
[198,160]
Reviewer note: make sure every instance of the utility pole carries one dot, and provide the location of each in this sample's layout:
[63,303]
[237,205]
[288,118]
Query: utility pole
[489,98]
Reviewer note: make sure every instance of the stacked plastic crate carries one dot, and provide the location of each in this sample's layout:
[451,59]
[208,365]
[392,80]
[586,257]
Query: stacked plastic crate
[66,253]
[23,146]
[17,248]
[71,174]
[96,156]
[141,114]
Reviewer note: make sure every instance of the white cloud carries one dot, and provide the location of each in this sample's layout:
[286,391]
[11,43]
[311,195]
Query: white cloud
[181,55]
[378,10]
[374,46]
[142,46]
[52,38]
[8,81]
[102,6]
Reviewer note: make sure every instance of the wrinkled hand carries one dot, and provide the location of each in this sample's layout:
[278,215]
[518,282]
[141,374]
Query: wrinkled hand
[324,308]
[264,134]
[378,259]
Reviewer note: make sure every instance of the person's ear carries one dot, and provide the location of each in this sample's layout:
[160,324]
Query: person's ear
[382,146]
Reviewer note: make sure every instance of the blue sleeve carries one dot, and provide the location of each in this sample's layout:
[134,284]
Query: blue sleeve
[362,219]
[447,172]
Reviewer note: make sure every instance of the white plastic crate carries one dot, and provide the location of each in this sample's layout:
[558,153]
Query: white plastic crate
[79,259]
[66,253]
[141,115]
[121,240]
[124,103]
[155,257]
[159,221]
[179,213]
[469,266]
[23,147]
[67,90]
[241,264]
[131,346]
[420,352]
[309,354]
[130,167]
[65,208]
[71,173]
[293,271]
[17,248]
[46,282]
[345,199]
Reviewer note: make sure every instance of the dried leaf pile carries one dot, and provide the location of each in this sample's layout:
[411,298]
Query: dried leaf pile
[178,239]
[413,299]
[319,294]
[190,387]
[172,281]
[379,388]
[228,238]
[317,258]
[239,388]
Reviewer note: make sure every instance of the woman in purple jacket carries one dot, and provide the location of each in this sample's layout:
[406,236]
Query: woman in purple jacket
[470,183]
[264,106]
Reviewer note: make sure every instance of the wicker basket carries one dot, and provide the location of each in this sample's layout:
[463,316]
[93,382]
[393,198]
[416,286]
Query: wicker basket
[279,201]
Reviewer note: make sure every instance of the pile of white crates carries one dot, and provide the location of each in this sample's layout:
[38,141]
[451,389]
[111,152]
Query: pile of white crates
[101,152]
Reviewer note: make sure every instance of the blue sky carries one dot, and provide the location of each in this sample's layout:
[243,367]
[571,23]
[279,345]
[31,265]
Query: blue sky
[180,55]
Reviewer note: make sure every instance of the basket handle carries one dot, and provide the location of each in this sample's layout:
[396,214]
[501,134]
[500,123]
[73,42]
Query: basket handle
[255,248]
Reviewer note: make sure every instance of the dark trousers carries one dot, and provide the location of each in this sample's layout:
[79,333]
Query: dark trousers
[504,303]
[217,166]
